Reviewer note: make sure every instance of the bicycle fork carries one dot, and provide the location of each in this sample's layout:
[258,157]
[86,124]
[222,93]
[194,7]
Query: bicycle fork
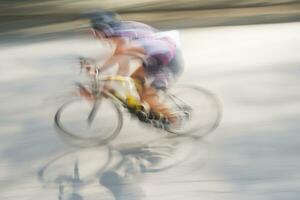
[93,112]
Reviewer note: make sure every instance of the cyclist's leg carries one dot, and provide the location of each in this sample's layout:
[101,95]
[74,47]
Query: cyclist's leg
[139,75]
[149,95]
[158,108]
[164,79]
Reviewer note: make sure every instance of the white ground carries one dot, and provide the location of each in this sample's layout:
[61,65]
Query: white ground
[254,153]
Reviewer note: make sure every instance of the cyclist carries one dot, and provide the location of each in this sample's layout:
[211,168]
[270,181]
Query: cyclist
[159,55]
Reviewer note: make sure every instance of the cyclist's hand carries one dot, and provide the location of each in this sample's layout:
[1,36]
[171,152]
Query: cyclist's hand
[86,65]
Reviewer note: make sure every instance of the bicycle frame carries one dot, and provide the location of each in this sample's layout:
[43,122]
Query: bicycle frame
[97,93]
[99,81]
[98,90]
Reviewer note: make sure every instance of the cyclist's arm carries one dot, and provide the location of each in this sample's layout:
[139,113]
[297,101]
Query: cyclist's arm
[123,49]
[113,59]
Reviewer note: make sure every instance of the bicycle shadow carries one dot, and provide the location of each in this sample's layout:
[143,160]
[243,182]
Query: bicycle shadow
[140,161]
[121,169]
[120,187]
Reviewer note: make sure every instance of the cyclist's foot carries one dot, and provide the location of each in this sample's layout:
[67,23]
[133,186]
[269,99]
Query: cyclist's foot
[159,117]
[142,116]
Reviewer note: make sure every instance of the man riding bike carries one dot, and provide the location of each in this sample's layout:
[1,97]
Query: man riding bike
[158,54]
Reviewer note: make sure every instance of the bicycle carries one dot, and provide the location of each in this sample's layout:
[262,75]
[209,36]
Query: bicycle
[75,168]
[197,110]
[73,171]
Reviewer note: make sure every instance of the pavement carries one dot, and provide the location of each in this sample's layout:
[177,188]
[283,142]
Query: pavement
[253,154]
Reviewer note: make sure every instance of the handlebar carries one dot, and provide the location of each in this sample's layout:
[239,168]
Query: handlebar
[90,66]
[94,71]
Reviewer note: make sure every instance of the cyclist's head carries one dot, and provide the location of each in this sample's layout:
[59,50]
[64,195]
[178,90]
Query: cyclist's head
[102,22]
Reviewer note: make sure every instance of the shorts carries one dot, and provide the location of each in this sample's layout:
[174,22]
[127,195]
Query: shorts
[162,75]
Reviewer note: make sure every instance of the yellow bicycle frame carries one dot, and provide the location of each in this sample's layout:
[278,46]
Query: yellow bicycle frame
[132,84]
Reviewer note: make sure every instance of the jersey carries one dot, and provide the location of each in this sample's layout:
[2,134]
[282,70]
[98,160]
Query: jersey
[155,44]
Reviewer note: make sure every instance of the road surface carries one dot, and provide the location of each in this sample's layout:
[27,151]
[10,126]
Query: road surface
[253,154]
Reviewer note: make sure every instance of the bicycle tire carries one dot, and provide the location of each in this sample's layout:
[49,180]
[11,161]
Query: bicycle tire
[66,168]
[201,95]
[79,138]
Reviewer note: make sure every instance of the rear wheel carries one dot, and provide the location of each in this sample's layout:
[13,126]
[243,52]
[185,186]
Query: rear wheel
[196,110]
[85,123]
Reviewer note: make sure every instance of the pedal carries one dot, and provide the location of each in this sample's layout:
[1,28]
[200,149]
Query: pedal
[142,116]
[154,116]
[157,124]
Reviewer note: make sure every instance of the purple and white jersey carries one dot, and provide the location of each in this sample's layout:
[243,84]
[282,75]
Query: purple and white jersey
[160,45]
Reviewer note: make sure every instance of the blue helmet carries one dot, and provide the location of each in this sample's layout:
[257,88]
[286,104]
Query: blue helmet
[104,21]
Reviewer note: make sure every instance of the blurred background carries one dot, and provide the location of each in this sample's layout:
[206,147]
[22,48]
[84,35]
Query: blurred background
[32,18]
[244,52]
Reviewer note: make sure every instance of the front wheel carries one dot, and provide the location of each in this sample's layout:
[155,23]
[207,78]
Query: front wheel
[85,123]
[196,110]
